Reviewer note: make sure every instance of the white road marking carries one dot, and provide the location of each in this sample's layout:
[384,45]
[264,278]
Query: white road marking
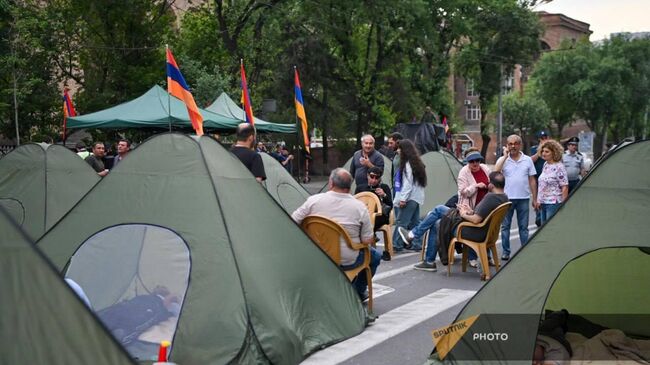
[391,324]
[379,290]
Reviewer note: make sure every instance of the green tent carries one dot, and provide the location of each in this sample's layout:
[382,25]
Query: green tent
[41,319]
[592,259]
[282,186]
[39,183]
[226,107]
[187,216]
[151,110]
[442,173]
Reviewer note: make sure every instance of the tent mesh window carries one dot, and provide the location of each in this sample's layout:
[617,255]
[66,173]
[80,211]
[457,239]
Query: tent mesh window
[135,277]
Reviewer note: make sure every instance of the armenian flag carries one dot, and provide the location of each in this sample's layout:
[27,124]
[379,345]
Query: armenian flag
[444,124]
[177,87]
[300,109]
[68,110]
[245,97]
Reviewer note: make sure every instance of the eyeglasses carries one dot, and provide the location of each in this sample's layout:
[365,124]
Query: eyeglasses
[474,161]
[374,176]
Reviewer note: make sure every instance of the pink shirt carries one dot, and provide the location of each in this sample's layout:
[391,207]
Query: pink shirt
[550,183]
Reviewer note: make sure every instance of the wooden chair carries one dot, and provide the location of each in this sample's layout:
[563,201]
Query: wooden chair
[372,202]
[327,234]
[493,221]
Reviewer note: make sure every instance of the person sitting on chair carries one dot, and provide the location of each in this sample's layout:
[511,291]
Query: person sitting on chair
[337,204]
[490,202]
[382,191]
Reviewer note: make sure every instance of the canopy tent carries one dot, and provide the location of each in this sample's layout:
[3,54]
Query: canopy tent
[226,107]
[43,321]
[150,110]
[592,259]
[282,186]
[442,172]
[190,218]
[39,183]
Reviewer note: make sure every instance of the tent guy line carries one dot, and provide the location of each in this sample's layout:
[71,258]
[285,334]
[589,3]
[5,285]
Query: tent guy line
[391,324]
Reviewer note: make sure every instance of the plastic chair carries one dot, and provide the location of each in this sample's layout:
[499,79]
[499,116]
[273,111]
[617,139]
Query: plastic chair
[493,221]
[327,234]
[372,202]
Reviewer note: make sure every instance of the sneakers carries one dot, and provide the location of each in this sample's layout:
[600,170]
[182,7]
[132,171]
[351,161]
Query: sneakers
[385,256]
[425,266]
[404,233]
[473,263]
[505,257]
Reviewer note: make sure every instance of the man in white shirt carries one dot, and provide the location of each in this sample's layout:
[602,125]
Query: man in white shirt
[338,205]
[519,171]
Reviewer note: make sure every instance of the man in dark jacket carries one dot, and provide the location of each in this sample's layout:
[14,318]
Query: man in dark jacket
[382,191]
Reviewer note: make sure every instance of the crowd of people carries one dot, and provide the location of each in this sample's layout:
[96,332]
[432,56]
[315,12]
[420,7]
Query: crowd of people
[542,180]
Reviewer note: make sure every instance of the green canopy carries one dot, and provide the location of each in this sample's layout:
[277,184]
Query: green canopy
[592,259]
[151,110]
[39,183]
[188,217]
[442,172]
[282,186]
[226,107]
[41,319]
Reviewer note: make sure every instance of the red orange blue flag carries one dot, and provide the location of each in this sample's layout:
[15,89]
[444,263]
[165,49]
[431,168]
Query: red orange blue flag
[245,97]
[444,124]
[68,110]
[177,87]
[300,109]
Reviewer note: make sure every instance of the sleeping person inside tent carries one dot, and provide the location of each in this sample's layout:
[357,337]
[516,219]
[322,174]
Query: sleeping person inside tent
[146,318]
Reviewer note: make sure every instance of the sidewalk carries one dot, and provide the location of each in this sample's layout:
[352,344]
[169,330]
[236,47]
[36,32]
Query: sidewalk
[316,184]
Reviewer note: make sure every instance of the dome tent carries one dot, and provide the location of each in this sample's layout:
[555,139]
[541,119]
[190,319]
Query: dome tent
[442,172]
[592,259]
[39,183]
[204,227]
[37,307]
[282,186]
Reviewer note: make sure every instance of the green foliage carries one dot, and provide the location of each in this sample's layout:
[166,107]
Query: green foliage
[606,85]
[525,115]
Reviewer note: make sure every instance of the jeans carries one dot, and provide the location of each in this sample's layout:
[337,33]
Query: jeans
[521,206]
[548,210]
[573,184]
[429,224]
[360,283]
[407,217]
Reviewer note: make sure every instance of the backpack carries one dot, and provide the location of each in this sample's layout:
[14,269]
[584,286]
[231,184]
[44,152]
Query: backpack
[129,318]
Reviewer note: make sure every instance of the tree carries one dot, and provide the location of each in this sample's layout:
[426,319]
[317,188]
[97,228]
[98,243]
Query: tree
[503,33]
[28,83]
[524,114]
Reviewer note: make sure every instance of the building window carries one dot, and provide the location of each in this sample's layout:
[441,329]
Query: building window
[469,85]
[473,112]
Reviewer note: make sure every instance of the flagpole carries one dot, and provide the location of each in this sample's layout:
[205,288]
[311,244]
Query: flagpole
[169,97]
[295,115]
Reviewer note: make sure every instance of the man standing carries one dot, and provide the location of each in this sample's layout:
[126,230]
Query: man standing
[393,144]
[123,149]
[338,205]
[96,159]
[538,161]
[364,159]
[243,149]
[574,162]
[519,172]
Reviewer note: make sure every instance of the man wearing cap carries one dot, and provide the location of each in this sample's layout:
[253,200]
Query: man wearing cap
[382,191]
[574,163]
[538,161]
[520,185]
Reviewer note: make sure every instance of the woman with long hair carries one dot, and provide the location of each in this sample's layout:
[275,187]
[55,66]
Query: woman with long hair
[553,185]
[410,181]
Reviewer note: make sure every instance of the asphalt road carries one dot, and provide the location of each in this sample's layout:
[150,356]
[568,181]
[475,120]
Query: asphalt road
[410,304]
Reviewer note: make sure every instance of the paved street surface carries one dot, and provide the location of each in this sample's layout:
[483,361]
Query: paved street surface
[410,304]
